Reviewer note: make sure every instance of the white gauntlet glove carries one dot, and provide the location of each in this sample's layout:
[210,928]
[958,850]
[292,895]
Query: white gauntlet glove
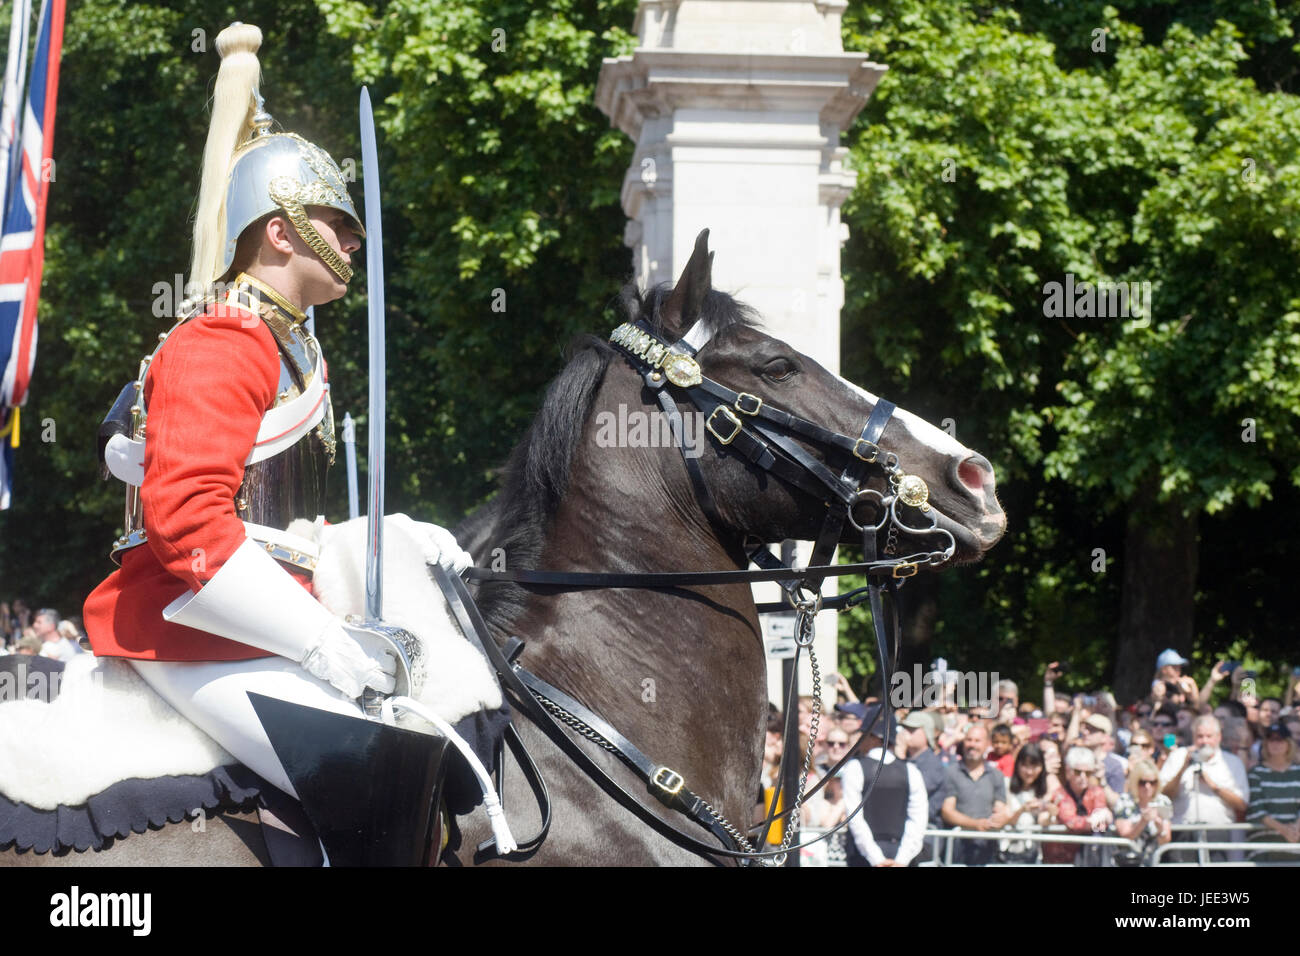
[440,545]
[341,660]
[254,601]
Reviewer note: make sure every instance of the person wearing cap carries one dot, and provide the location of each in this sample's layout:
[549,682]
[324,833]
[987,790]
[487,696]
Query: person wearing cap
[1275,791]
[919,735]
[849,718]
[227,443]
[975,798]
[1097,735]
[1169,670]
[890,828]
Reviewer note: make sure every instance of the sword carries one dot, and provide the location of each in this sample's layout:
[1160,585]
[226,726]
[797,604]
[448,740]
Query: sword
[371,700]
[378,410]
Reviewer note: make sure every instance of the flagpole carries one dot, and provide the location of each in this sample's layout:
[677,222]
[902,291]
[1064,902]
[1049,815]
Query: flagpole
[15,73]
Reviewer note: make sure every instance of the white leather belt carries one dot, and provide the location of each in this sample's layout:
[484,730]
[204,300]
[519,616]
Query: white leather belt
[291,549]
[285,547]
[281,427]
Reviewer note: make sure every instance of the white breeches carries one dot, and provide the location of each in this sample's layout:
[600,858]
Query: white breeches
[214,696]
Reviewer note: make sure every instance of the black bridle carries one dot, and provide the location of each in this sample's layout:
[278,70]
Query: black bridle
[760,433]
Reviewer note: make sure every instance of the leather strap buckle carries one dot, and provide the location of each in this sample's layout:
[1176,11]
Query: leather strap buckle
[668,780]
[744,397]
[735,425]
[872,446]
[907,569]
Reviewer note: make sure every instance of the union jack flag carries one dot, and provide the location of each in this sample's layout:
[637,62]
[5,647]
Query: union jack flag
[22,242]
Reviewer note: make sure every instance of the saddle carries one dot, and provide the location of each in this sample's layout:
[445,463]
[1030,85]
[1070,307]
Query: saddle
[370,792]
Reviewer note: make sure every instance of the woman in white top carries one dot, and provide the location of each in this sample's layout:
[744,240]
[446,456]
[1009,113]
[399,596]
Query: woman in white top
[1028,803]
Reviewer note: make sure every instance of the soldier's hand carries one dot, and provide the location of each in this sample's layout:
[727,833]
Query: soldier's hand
[439,544]
[340,660]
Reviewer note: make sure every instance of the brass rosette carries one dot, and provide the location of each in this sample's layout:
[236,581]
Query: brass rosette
[912,491]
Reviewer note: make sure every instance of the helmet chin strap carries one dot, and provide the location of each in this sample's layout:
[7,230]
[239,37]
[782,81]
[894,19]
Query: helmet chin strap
[285,192]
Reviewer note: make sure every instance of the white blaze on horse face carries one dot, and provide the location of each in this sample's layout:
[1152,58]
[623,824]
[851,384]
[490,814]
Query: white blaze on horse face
[922,431]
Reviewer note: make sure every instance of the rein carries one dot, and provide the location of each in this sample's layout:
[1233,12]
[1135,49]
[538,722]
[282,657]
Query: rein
[750,427]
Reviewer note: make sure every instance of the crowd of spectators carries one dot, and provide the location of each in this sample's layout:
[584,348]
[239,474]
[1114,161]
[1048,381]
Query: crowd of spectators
[42,632]
[1079,765]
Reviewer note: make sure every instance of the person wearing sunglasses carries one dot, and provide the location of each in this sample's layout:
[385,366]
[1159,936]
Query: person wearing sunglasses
[1142,814]
[1141,747]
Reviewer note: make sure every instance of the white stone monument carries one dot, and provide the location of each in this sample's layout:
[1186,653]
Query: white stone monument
[736,108]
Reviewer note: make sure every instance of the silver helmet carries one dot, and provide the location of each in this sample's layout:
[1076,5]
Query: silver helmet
[283,172]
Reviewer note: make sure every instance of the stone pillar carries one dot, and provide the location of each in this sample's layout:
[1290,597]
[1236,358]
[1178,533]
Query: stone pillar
[737,107]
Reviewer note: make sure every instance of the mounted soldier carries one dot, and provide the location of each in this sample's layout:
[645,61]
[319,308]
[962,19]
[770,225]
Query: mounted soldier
[228,432]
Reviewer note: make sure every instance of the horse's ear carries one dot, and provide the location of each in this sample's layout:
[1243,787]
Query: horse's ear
[687,298]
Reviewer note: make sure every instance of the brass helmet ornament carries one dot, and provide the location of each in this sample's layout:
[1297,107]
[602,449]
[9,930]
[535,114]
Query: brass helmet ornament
[248,171]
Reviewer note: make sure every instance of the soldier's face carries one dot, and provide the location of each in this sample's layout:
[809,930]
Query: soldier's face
[320,283]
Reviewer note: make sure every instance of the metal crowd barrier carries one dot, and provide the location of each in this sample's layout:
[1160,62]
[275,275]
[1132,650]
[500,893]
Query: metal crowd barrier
[1036,835]
[943,843]
[1238,852]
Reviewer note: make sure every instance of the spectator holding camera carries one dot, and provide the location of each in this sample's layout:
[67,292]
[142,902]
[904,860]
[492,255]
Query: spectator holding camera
[1206,784]
[1241,692]
[1081,806]
[1141,747]
[1169,670]
[1051,673]
[1028,806]
[1052,763]
[1142,814]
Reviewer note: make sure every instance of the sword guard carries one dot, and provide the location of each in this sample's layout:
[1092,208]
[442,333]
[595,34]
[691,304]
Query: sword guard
[401,643]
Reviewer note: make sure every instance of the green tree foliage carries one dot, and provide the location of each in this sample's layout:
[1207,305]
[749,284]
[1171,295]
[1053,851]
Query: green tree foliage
[501,186]
[1002,152]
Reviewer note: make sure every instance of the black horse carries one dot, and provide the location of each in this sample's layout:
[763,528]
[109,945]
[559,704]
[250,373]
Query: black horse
[679,671]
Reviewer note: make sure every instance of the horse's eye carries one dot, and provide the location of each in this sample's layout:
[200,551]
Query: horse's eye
[779,370]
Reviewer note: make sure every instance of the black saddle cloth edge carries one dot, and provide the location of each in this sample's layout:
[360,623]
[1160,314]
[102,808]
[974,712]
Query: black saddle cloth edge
[135,805]
[126,807]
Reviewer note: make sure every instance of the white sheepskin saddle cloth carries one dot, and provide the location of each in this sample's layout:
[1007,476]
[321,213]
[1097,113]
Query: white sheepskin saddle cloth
[108,725]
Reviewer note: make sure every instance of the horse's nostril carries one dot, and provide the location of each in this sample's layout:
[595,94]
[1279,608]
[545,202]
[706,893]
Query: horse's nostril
[973,474]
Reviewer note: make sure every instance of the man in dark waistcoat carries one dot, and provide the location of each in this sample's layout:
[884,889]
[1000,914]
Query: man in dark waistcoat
[891,827]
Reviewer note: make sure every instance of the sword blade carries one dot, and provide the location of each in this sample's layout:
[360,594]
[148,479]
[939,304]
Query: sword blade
[378,407]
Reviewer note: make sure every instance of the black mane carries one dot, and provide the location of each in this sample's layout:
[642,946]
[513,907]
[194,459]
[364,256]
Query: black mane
[536,474]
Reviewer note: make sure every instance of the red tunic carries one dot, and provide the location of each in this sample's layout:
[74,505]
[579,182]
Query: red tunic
[206,392]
